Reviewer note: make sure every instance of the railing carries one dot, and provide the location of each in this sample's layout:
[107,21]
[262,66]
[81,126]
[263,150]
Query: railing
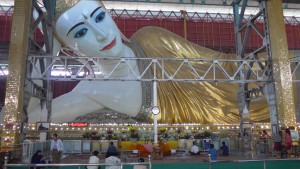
[121,165]
[232,164]
[238,164]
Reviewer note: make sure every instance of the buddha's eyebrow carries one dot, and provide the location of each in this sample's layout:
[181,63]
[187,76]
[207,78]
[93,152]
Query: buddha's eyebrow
[95,11]
[80,23]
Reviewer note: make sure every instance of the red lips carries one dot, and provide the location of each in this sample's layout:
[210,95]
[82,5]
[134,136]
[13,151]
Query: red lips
[109,46]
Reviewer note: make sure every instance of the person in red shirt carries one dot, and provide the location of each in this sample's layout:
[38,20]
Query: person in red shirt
[288,141]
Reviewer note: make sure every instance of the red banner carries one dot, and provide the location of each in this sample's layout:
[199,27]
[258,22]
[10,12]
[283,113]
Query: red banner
[78,124]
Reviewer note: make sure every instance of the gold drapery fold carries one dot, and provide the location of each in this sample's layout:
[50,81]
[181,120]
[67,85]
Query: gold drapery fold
[194,102]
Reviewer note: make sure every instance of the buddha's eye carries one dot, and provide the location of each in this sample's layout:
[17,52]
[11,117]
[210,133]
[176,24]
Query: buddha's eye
[80,33]
[100,17]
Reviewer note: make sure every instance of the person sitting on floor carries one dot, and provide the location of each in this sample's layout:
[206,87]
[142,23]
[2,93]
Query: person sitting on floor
[195,149]
[38,158]
[139,166]
[224,149]
[112,150]
[113,162]
[94,160]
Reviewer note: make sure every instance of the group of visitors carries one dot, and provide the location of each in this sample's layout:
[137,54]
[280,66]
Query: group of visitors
[56,152]
[279,149]
[56,149]
[223,151]
[112,153]
[111,159]
[248,145]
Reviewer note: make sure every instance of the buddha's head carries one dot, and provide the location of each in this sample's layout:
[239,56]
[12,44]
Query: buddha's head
[89,29]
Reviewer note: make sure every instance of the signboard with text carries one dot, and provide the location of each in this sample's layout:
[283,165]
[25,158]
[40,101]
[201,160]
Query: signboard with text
[78,124]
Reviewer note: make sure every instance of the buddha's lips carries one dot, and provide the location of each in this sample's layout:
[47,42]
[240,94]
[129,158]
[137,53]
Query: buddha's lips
[109,46]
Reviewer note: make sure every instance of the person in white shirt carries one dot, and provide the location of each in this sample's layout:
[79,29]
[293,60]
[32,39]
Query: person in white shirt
[56,149]
[114,162]
[94,160]
[195,150]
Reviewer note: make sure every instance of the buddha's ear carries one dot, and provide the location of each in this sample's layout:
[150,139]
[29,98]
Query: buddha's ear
[124,37]
[56,46]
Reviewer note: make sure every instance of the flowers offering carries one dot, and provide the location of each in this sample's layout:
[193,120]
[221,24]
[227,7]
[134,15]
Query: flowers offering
[132,129]
[162,130]
[109,131]
[133,132]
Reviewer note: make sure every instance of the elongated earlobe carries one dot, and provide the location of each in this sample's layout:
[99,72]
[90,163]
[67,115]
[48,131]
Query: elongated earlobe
[56,47]
[124,37]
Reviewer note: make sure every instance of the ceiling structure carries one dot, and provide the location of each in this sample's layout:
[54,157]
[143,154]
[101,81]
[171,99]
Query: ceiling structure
[291,8]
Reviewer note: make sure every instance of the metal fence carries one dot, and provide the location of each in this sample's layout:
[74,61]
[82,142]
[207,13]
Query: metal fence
[146,165]
[232,164]
[262,164]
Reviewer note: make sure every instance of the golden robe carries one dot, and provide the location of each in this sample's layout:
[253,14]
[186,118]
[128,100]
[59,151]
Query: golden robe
[193,102]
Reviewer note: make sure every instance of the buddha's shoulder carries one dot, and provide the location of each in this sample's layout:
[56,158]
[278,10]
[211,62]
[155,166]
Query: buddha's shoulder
[151,30]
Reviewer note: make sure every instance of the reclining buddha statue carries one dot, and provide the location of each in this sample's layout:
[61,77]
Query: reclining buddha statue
[89,29]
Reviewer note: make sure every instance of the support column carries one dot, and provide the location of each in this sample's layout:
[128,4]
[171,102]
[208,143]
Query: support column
[184,13]
[15,80]
[243,99]
[155,115]
[155,109]
[270,94]
[278,50]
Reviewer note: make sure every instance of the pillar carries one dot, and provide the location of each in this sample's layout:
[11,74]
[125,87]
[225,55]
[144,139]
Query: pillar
[15,80]
[280,64]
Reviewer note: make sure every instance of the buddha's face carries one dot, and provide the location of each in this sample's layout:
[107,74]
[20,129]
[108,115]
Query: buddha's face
[88,28]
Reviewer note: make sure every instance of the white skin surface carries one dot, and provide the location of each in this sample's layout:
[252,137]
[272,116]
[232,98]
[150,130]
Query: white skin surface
[92,36]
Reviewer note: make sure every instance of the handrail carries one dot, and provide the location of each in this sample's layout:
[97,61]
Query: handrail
[287,159]
[75,164]
[243,161]
[135,163]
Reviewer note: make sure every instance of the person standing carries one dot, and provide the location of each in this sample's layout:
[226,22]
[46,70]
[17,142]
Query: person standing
[225,149]
[213,152]
[56,149]
[247,143]
[288,142]
[265,136]
[277,144]
[112,150]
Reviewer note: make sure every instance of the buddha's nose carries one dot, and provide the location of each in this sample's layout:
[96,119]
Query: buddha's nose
[100,38]
[99,33]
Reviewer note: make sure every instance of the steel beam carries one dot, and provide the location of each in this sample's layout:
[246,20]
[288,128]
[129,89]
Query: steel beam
[69,68]
[243,97]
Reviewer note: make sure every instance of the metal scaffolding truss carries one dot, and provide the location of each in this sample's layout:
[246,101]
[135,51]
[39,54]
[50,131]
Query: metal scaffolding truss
[295,68]
[191,16]
[61,69]
[195,70]
[169,15]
